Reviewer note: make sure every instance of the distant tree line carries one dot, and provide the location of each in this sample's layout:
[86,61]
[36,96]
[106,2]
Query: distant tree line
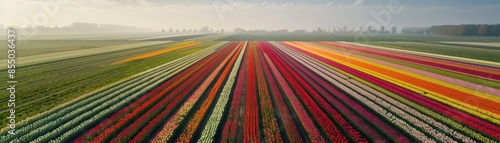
[344,30]
[241,30]
[485,30]
[416,30]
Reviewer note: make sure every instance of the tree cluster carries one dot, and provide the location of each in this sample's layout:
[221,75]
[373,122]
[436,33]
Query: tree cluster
[484,30]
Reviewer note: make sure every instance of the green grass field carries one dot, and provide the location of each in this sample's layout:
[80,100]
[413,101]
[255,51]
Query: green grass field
[43,86]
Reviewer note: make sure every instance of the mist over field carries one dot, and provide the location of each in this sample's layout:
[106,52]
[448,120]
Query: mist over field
[249,14]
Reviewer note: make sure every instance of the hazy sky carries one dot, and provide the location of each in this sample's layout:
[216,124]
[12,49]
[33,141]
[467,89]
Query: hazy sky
[250,14]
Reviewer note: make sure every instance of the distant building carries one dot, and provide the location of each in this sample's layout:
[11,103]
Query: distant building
[394,30]
[415,30]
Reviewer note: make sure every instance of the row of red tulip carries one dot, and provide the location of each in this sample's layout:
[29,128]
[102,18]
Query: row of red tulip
[309,96]
[307,122]
[466,84]
[192,126]
[331,94]
[251,125]
[305,75]
[174,98]
[479,104]
[433,62]
[291,92]
[402,104]
[210,130]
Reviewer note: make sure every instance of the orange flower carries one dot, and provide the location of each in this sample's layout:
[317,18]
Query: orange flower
[156,53]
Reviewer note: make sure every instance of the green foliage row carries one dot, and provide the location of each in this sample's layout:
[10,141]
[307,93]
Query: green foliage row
[43,86]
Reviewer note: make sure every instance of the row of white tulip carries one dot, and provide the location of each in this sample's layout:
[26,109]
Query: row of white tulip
[210,129]
[54,124]
[438,124]
[422,125]
[171,125]
[487,64]
[404,110]
[486,111]
[384,99]
[353,91]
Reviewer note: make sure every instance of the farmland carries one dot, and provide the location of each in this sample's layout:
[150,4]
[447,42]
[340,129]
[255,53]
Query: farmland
[259,88]
[60,80]
[353,38]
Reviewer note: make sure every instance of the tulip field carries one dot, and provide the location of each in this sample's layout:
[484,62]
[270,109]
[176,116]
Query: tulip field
[283,91]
